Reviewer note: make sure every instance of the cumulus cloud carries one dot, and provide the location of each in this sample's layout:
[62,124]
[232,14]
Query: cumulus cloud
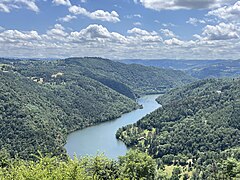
[140,35]
[180,4]
[221,31]
[173,41]
[195,21]
[57,31]
[67,18]
[141,32]
[167,33]
[17,36]
[98,33]
[230,12]
[93,32]
[59,41]
[98,14]
[8,5]
[62,2]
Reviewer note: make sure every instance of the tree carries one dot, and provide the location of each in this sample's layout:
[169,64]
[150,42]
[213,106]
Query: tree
[137,165]
[176,173]
[4,158]
[231,168]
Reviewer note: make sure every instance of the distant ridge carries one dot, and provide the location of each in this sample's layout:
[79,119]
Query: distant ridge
[200,69]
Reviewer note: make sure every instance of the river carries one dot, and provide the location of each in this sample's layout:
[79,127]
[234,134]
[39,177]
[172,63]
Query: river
[101,138]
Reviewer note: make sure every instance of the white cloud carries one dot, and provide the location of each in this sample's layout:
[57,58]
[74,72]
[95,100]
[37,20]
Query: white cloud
[151,39]
[197,36]
[97,33]
[98,14]
[30,4]
[67,18]
[140,35]
[141,32]
[62,2]
[97,40]
[78,10]
[167,33]
[92,32]
[195,21]
[231,12]
[137,15]
[17,36]
[57,31]
[180,4]
[166,25]
[7,5]
[105,16]
[221,31]
[137,24]
[4,8]
[134,15]
[59,26]
[173,41]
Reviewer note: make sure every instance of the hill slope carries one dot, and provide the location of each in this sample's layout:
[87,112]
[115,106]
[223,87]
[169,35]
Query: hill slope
[42,101]
[201,117]
[38,117]
[195,131]
[129,80]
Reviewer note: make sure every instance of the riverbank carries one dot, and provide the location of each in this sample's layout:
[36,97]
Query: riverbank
[101,138]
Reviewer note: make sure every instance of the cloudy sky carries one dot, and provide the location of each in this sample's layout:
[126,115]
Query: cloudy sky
[119,29]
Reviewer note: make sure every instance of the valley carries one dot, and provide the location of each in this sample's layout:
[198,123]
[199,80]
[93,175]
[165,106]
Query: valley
[119,90]
[101,138]
[198,122]
[77,107]
[53,98]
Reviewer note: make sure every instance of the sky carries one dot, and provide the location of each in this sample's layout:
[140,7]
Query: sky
[120,29]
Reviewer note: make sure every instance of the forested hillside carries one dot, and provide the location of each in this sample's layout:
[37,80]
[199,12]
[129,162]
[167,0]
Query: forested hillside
[38,117]
[130,80]
[42,101]
[197,122]
[141,79]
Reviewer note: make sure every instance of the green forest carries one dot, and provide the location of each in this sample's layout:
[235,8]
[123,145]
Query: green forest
[194,135]
[198,126]
[134,165]
[43,101]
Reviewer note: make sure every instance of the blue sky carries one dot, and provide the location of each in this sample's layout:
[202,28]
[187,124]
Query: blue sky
[119,29]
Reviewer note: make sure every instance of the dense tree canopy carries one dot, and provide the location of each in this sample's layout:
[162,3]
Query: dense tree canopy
[134,166]
[42,101]
[130,80]
[202,117]
[195,134]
